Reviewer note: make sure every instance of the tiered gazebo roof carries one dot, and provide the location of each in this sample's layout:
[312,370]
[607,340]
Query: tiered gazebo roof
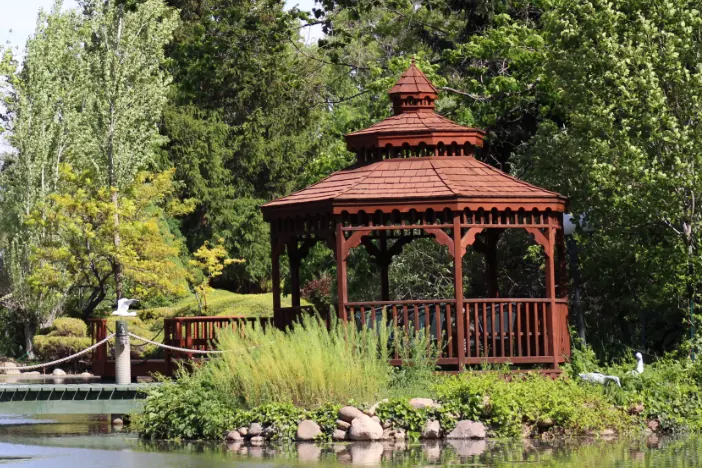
[415,156]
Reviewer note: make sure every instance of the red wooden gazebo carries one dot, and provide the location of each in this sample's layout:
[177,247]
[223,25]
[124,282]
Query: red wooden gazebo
[416,176]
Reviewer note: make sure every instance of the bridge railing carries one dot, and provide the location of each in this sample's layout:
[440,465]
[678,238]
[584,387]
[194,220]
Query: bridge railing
[196,333]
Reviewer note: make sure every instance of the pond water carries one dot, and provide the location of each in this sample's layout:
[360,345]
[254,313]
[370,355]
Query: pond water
[87,441]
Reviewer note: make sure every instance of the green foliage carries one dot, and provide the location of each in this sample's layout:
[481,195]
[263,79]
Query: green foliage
[80,211]
[404,416]
[264,365]
[187,409]
[326,416]
[514,404]
[66,326]
[420,354]
[282,418]
[51,348]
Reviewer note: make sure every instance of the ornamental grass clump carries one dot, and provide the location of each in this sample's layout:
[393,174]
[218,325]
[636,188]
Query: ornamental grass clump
[308,364]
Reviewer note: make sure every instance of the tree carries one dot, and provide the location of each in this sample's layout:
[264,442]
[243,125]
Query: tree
[125,90]
[207,263]
[243,124]
[42,101]
[81,255]
[627,149]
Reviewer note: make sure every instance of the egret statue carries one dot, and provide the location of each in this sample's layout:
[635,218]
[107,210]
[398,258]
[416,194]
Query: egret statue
[601,379]
[123,308]
[639,365]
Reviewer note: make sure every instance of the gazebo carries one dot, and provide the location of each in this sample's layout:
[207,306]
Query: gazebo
[416,176]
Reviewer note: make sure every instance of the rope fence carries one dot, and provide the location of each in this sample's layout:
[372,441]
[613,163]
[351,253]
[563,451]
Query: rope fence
[59,361]
[174,348]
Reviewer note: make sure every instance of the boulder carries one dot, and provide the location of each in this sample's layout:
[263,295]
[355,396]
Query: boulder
[388,434]
[233,436]
[244,431]
[376,419]
[343,425]
[12,371]
[400,435]
[86,374]
[58,372]
[255,429]
[339,434]
[364,428]
[386,424]
[349,413]
[257,441]
[431,430]
[468,430]
[420,403]
[308,430]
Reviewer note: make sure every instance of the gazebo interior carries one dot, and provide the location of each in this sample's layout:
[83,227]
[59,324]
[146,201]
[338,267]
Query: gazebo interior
[416,176]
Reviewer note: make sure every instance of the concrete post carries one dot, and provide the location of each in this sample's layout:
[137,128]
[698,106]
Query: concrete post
[123,361]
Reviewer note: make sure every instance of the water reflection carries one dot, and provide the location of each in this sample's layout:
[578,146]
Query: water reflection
[77,441]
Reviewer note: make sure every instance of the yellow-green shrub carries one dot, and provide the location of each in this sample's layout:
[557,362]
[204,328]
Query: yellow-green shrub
[67,326]
[50,348]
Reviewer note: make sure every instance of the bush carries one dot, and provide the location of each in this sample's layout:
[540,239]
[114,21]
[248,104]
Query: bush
[532,403]
[307,365]
[51,348]
[67,326]
[187,409]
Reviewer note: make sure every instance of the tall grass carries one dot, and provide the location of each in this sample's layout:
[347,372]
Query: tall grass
[308,365]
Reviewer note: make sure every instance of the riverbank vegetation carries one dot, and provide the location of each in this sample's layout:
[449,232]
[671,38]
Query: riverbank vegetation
[261,379]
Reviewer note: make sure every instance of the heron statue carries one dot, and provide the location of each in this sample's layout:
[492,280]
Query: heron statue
[601,379]
[123,308]
[639,365]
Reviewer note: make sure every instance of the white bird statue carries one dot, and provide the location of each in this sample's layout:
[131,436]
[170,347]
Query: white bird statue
[639,365]
[123,308]
[601,379]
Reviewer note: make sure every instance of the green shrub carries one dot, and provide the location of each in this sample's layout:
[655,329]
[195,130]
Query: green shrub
[51,348]
[308,365]
[67,326]
[532,403]
[418,376]
[187,409]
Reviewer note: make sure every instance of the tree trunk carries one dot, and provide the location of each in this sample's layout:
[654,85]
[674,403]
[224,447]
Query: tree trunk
[29,331]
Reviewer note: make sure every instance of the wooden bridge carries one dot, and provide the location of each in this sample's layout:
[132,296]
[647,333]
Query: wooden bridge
[88,398]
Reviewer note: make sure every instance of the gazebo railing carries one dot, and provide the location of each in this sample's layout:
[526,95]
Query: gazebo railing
[496,330]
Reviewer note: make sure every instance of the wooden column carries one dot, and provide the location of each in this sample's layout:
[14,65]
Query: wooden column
[275,278]
[294,256]
[492,237]
[561,270]
[384,261]
[458,288]
[553,318]
[341,274]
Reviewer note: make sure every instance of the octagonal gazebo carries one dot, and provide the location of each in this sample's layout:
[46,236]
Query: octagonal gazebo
[416,176]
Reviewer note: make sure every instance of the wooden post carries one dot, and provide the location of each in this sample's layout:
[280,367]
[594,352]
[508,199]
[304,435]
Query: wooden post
[341,286]
[553,319]
[384,261]
[275,278]
[458,289]
[491,262]
[294,256]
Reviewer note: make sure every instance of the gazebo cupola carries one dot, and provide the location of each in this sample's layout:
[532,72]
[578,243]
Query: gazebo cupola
[416,176]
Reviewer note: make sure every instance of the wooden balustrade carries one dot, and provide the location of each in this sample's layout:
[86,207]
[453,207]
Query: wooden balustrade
[496,330]
[98,332]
